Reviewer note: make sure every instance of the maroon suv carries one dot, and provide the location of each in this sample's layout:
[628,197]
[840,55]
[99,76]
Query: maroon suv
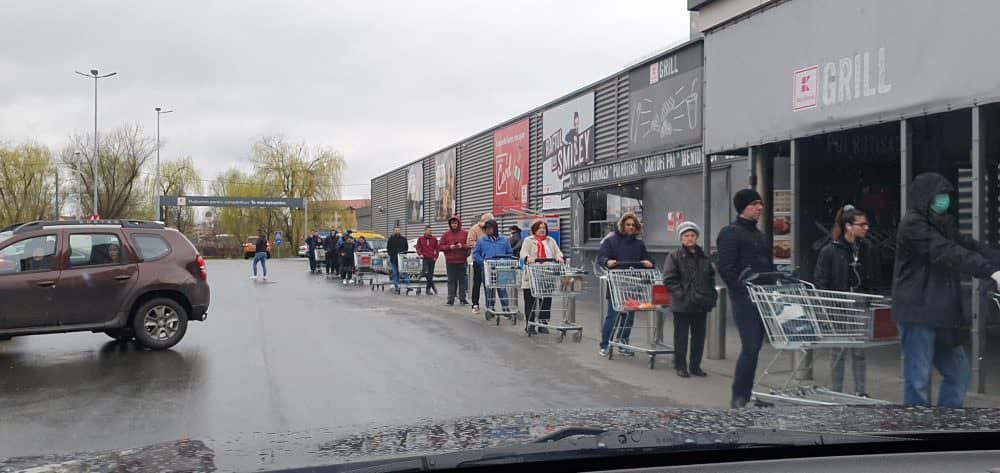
[126,278]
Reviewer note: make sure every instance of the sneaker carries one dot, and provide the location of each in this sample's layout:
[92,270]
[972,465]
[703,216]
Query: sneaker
[543,330]
[683,372]
[759,403]
[865,395]
[604,352]
[698,372]
[253,278]
[475,309]
[265,278]
[464,302]
[624,352]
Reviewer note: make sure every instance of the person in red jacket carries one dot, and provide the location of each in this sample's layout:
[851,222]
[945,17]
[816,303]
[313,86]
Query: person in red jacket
[453,244]
[427,248]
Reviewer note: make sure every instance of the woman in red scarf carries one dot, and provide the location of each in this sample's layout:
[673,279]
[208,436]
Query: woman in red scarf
[538,246]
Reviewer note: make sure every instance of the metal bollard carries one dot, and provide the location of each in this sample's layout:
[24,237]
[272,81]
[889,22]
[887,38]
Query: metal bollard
[717,326]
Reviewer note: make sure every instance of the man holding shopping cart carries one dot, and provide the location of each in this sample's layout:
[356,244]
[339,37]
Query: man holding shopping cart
[931,256]
[397,244]
[622,246]
[743,250]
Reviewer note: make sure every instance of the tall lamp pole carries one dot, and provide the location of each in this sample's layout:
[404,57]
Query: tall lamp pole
[94,74]
[156,183]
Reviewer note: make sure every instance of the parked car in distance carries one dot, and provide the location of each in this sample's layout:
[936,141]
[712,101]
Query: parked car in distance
[126,278]
[250,247]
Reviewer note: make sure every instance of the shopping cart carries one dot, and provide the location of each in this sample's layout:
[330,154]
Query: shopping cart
[504,276]
[637,289]
[549,279]
[320,256]
[364,267]
[797,318]
[411,266]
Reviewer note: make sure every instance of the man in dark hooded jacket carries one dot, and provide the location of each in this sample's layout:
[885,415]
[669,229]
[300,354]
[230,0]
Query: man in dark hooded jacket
[931,256]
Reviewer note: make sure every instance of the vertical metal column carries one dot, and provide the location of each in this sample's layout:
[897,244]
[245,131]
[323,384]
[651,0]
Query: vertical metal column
[979,305]
[905,165]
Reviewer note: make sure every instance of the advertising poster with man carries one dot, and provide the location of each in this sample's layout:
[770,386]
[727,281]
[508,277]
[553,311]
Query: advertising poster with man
[415,193]
[568,133]
[510,168]
[444,185]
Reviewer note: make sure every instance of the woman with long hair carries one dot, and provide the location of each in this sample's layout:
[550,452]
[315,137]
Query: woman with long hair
[847,263]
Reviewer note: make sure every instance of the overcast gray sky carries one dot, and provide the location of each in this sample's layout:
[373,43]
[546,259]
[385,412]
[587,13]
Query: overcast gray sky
[385,83]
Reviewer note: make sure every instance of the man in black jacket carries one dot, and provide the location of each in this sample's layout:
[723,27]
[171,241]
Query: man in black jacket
[931,256]
[743,250]
[330,246]
[397,244]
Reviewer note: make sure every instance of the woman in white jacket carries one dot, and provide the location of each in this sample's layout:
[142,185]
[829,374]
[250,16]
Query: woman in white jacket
[538,246]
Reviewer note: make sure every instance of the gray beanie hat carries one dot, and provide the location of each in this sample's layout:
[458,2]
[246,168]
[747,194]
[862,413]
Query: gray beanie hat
[686,226]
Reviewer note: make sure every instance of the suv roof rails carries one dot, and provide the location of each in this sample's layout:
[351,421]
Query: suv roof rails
[124,223]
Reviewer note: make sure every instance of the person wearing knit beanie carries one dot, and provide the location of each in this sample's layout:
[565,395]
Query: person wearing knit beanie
[686,227]
[745,197]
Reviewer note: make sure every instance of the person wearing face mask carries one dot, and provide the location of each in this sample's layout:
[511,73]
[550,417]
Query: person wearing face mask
[931,257]
[847,263]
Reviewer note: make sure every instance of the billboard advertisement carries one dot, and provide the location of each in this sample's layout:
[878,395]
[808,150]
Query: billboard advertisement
[415,193]
[568,131]
[444,185]
[665,102]
[510,168]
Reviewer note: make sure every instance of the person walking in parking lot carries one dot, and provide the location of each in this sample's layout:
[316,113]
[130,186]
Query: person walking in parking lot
[313,242]
[453,244]
[743,250]
[397,244]
[539,246]
[623,246]
[931,257]
[427,249]
[260,254]
[691,279]
[475,233]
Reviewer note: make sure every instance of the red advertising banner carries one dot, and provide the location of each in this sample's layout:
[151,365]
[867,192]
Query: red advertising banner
[510,168]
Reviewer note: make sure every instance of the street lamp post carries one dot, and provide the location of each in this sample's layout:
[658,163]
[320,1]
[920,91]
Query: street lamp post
[156,183]
[95,74]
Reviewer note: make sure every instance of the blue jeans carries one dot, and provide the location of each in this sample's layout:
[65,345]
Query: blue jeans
[504,300]
[921,348]
[260,257]
[611,321]
[395,275]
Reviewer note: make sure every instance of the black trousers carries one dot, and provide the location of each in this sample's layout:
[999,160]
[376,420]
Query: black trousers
[458,281]
[477,281]
[544,308]
[752,335]
[689,324]
[331,262]
[429,273]
[346,269]
[312,260]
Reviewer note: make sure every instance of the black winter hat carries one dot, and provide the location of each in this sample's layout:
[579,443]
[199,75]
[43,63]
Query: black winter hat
[743,198]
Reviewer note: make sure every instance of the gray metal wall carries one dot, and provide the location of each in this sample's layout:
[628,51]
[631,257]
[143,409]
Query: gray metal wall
[380,203]
[397,201]
[611,119]
[475,178]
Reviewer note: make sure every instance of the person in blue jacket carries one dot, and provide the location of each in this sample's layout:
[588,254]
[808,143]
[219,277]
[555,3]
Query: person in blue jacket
[622,246]
[493,245]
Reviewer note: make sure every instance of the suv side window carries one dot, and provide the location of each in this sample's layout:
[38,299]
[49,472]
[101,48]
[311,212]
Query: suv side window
[95,249]
[151,247]
[33,254]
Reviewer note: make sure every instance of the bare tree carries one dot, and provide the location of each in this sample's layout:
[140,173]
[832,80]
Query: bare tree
[27,172]
[123,155]
[179,178]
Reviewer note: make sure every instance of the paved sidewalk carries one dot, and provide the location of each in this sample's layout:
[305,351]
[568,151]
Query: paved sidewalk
[884,377]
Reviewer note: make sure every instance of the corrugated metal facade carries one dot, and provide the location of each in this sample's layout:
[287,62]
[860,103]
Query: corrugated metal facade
[397,201]
[380,202]
[611,119]
[475,182]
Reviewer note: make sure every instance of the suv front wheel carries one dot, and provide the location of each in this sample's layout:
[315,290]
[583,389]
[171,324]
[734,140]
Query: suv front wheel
[160,323]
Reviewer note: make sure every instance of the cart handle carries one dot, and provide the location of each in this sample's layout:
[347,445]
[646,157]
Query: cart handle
[631,265]
[501,258]
[772,275]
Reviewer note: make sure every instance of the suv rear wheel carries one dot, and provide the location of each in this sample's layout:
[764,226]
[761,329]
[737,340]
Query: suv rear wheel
[160,323]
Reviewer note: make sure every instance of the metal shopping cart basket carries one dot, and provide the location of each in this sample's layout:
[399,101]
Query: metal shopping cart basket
[364,267]
[636,289]
[502,275]
[411,266]
[797,318]
[561,283]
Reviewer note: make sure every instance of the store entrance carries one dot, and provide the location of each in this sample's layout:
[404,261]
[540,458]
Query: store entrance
[859,167]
